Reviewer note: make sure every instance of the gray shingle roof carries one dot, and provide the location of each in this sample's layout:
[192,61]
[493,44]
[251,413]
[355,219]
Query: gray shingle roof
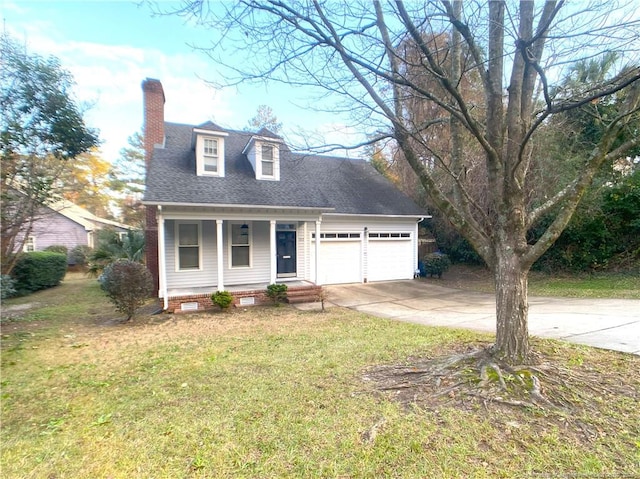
[311,181]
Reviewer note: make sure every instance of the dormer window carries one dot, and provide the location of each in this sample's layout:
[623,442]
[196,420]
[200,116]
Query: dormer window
[210,155]
[263,152]
[268,160]
[209,152]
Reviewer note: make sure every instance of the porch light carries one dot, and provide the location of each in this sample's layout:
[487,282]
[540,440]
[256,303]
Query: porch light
[244,230]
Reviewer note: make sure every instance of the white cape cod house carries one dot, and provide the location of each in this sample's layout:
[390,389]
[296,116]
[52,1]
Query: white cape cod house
[235,210]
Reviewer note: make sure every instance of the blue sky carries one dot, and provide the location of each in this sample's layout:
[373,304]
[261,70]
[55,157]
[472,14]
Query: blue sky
[111,46]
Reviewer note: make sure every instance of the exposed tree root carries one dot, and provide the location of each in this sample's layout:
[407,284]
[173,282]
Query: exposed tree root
[550,392]
[474,373]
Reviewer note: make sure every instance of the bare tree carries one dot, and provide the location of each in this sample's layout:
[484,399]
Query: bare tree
[518,52]
[265,118]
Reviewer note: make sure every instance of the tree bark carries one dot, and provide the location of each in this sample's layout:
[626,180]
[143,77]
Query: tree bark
[512,307]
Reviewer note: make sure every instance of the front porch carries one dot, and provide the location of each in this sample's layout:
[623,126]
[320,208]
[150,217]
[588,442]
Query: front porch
[182,300]
[242,251]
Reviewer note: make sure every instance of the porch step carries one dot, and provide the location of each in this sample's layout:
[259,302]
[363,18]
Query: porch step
[304,294]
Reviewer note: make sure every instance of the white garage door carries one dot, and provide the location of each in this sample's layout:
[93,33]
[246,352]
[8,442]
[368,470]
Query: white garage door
[390,259]
[340,261]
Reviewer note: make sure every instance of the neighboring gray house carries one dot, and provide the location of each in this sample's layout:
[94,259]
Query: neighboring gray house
[67,224]
[238,210]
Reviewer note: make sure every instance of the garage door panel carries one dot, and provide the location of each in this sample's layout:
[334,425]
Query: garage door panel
[340,261]
[390,259]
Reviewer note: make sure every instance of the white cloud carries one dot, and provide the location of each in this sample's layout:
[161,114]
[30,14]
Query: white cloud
[108,80]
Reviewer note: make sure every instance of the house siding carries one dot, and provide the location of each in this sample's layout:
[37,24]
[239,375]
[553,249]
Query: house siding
[55,229]
[260,270]
[356,249]
[206,276]
[302,250]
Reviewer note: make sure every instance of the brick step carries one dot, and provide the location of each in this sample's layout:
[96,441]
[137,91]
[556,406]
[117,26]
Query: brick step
[303,299]
[304,290]
[304,294]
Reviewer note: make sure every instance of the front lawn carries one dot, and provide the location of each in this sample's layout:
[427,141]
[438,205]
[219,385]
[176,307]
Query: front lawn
[275,392]
[584,285]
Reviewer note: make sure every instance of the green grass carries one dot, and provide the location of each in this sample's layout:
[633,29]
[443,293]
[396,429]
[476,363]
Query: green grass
[602,285]
[584,285]
[269,393]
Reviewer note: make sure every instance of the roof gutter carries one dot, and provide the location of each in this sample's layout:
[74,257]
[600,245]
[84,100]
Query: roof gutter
[373,215]
[219,205]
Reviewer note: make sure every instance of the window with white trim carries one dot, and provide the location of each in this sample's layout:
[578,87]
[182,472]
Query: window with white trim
[390,235]
[268,162]
[337,236]
[264,155]
[210,155]
[188,245]
[240,241]
[29,244]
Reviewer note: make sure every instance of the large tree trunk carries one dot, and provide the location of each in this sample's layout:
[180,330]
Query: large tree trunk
[512,308]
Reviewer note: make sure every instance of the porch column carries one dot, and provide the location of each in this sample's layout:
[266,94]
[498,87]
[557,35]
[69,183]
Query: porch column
[273,251]
[162,261]
[220,251]
[317,258]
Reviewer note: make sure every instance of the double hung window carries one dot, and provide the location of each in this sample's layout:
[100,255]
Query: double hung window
[267,160]
[240,245]
[188,242]
[210,155]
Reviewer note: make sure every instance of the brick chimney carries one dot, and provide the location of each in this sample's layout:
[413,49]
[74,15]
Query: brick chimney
[153,135]
[153,116]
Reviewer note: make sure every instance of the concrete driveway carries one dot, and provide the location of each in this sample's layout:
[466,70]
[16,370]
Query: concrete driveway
[604,323]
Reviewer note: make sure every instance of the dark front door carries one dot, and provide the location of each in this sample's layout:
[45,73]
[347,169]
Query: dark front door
[286,250]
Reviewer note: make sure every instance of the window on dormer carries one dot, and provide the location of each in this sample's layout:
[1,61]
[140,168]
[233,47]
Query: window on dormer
[210,155]
[267,160]
[210,152]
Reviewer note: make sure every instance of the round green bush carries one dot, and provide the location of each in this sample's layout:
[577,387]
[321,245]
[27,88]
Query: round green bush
[222,298]
[57,248]
[7,286]
[39,270]
[436,263]
[277,293]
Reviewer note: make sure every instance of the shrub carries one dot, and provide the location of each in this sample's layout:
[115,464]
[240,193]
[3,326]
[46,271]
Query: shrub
[111,247]
[436,263]
[222,298]
[80,255]
[39,270]
[7,286]
[277,293]
[128,284]
[57,248]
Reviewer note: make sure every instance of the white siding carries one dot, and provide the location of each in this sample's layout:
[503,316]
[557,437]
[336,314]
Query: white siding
[260,269]
[251,156]
[301,251]
[206,276]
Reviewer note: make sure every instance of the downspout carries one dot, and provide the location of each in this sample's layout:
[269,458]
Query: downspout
[416,249]
[162,260]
